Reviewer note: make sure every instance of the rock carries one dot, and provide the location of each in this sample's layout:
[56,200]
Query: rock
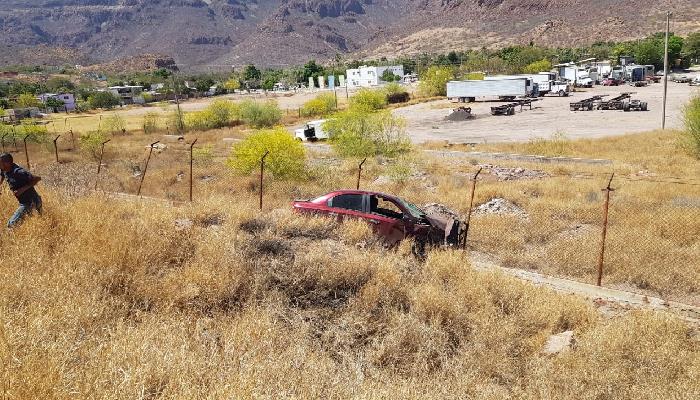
[180,176]
[500,206]
[183,224]
[382,180]
[510,174]
[559,343]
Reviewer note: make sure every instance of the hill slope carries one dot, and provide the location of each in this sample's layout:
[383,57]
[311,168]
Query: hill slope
[283,32]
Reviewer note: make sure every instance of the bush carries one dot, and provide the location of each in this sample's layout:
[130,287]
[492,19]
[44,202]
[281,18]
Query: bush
[37,133]
[114,124]
[104,100]
[91,144]
[259,115]
[218,114]
[151,123]
[26,100]
[538,66]
[285,161]
[323,104]
[360,134]
[368,100]
[690,137]
[433,82]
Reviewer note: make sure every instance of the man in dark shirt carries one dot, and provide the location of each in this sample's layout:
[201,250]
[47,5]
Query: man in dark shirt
[21,183]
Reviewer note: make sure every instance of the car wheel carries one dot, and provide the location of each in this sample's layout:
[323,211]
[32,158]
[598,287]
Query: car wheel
[561,93]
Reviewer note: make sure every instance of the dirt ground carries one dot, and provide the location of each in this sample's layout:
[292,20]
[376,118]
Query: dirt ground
[426,121]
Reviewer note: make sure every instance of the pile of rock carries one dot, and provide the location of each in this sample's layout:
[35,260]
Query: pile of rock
[511,174]
[500,206]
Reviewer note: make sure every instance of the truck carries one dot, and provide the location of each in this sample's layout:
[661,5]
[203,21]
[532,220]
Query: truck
[311,131]
[503,89]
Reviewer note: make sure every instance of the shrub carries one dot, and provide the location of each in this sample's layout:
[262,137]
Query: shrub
[218,114]
[433,82]
[151,123]
[361,134]
[104,100]
[285,161]
[395,93]
[259,115]
[37,133]
[91,144]
[114,124]
[368,100]
[538,66]
[690,137]
[26,100]
[323,104]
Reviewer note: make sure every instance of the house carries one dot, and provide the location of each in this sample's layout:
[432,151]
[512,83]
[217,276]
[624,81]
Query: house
[366,76]
[68,100]
[128,94]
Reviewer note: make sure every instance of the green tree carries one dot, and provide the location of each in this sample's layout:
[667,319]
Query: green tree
[59,85]
[389,76]
[650,52]
[357,133]
[105,100]
[259,115]
[251,73]
[232,84]
[54,103]
[286,158]
[433,81]
[323,104]
[691,47]
[26,100]
[203,85]
[368,100]
[538,66]
[311,69]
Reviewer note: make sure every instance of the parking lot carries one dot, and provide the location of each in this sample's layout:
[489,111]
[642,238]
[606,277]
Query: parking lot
[426,121]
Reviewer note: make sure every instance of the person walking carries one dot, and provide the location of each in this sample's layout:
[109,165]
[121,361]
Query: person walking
[21,183]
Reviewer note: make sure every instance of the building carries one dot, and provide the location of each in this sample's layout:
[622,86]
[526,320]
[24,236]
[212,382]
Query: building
[128,94]
[68,100]
[365,76]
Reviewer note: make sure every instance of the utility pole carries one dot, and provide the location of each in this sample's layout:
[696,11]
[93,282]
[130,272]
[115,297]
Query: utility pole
[663,106]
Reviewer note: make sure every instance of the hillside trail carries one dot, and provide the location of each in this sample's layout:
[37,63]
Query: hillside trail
[608,301]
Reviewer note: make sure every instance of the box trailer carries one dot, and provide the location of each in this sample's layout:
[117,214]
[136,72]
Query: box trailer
[504,89]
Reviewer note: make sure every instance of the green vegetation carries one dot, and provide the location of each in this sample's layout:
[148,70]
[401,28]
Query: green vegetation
[260,115]
[26,100]
[151,123]
[557,145]
[91,143]
[218,114]
[286,159]
[388,76]
[434,80]
[105,100]
[690,136]
[114,124]
[37,133]
[357,133]
[323,104]
[368,100]
[538,66]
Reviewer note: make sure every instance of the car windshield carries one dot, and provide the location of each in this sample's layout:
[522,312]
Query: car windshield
[413,209]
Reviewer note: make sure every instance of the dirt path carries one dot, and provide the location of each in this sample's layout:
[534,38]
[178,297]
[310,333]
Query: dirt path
[607,300]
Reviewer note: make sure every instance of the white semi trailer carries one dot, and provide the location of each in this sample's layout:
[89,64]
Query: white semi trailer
[545,83]
[504,89]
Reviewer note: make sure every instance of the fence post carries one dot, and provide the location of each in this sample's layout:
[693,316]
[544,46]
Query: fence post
[72,140]
[55,147]
[262,173]
[3,141]
[606,207]
[359,172]
[26,152]
[469,212]
[191,162]
[14,137]
[145,168]
[99,164]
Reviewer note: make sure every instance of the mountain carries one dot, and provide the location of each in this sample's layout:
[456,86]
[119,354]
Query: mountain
[217,33]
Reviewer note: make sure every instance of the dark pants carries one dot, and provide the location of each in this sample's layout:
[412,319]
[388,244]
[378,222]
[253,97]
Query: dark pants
[23,210]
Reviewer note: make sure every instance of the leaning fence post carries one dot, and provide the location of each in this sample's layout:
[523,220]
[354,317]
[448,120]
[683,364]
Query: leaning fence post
[55,147]
[26,152]
[359,172]
[606,207]
[145,168]
[99,164]
[262,173]
[3,141]
[469,212]
[191,162]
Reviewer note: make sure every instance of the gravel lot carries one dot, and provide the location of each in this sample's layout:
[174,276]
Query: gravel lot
[426,121]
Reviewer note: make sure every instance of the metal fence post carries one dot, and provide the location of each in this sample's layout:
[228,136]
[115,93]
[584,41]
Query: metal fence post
[469,212]
[14,137]
[3,141]
[359,172]
[606,207]
[191,163]
[262,173]
[55,147]
[145,168]
[26,152]
[72,140]
[99,164]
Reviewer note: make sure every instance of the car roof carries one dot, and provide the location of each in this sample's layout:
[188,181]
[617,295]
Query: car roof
[368,192]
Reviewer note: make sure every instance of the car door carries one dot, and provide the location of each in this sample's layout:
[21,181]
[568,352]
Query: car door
[387,218]
[346,205]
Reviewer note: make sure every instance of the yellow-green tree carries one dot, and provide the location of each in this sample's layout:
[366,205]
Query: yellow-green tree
[538,66]
[286,160]
[26,100]
[433,81]
[232,84]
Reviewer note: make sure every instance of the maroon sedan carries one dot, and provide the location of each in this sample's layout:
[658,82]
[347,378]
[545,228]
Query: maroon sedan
[392,218]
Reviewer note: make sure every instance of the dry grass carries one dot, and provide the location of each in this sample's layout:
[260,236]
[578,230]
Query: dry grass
[108,299]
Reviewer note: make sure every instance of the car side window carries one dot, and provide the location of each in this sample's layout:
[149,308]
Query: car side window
[347,201]
[385,207]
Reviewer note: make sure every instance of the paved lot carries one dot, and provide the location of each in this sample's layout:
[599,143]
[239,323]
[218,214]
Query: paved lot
[426,122]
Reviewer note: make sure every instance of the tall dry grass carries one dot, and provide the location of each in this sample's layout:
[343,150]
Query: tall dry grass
[111,299]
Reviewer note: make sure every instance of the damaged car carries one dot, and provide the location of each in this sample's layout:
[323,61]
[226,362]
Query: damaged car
[392,218]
